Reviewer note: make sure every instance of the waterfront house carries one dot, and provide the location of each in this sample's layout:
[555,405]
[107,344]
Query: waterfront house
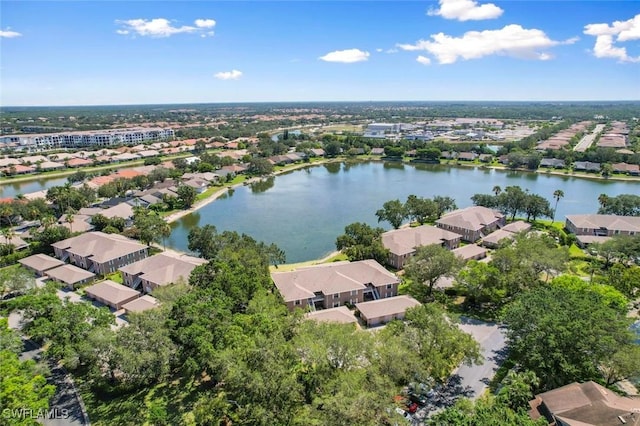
[472,223]
[159,270]
[509,231]
[335,284]
[586,166]
[402,243]
[552,163]
[590,228]
[378,312]
[99,252]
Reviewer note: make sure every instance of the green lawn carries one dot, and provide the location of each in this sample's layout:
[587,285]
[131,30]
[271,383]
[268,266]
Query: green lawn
[115,276]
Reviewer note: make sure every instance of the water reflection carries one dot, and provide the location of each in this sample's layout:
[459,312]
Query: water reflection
[333,167]
[263,185]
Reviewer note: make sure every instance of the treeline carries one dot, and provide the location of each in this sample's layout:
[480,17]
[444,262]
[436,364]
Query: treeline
[235,352]
[515,201]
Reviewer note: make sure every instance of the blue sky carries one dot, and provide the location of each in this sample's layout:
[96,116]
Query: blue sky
[124,52]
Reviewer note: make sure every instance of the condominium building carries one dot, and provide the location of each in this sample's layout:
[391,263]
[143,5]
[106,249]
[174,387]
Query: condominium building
[48,141]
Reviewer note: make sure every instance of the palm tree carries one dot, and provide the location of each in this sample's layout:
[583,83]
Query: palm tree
[497,190]
[69,218]
[603,199]
[8,235]
[557,194]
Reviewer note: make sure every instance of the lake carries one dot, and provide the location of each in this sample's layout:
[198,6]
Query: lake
[304,211]
[11,189]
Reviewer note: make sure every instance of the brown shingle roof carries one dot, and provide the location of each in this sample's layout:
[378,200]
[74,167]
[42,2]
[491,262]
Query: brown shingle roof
[69,274]
[472,218]
[331,278]
[143,303]
[386,307]
[341,314]
[164,268]
[99,246]
[404,241]
[111,292]
[41,262]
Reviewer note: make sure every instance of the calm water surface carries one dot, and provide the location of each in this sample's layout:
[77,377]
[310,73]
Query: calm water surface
[304,211]
[11,189]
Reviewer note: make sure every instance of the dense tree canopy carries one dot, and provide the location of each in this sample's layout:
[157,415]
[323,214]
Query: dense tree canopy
[564,335]
[361,241]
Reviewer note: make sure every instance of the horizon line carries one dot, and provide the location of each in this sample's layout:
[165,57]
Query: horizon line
[325,102]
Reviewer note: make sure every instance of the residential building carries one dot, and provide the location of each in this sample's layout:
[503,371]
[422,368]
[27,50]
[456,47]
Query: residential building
[585,404]
[335,284]
[48,141]
[470,252]
[472,223]
[111,293]
[159,270]
[603,225]
[341,315]
[40,263]
[378,312]
[141,304]
[99,252]
[70,275]
[509,231]
[402,243]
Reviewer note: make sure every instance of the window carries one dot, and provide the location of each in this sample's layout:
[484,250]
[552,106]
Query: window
[336,304]
[389,294]
[336,296]
[354,292]
[389,286]
[298,303]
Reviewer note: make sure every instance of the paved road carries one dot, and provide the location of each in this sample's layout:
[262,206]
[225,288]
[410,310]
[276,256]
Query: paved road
[493,348]
[469,381]
[587,140]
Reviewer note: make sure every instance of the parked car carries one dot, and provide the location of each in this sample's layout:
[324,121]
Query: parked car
[403,413]
[419,399]
[412,407]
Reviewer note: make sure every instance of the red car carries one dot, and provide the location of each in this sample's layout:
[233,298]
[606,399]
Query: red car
[412,407]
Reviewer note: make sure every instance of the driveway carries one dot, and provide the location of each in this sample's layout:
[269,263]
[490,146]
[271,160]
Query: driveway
[469,381]
[492,347]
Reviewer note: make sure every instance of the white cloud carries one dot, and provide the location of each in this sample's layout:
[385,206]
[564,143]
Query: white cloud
[423,60]
[9,34]
[512,40]
[346,56]
[228,75]
[161,27]
[622,31]
[466,10]
[379,50]
[205,23]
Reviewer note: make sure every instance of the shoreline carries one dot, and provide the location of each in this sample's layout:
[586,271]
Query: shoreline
[210,199]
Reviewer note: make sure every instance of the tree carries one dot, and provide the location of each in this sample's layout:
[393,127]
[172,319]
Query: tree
[580,332]
[428,265]
[421,209]
[624,364]
[557,195]
[202,239]
[361,241]
[480,283]
[148,226]
[15,281]
[332,149]
[393,212]
[187,195]
[512,201]
[517,390]
[260,167]
[536,206]
[50,235]
[22,387]
[444,204]
[394,151]
[496,190]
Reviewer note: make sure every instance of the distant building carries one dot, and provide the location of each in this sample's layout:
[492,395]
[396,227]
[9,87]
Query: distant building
[596,228]
[48,141]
